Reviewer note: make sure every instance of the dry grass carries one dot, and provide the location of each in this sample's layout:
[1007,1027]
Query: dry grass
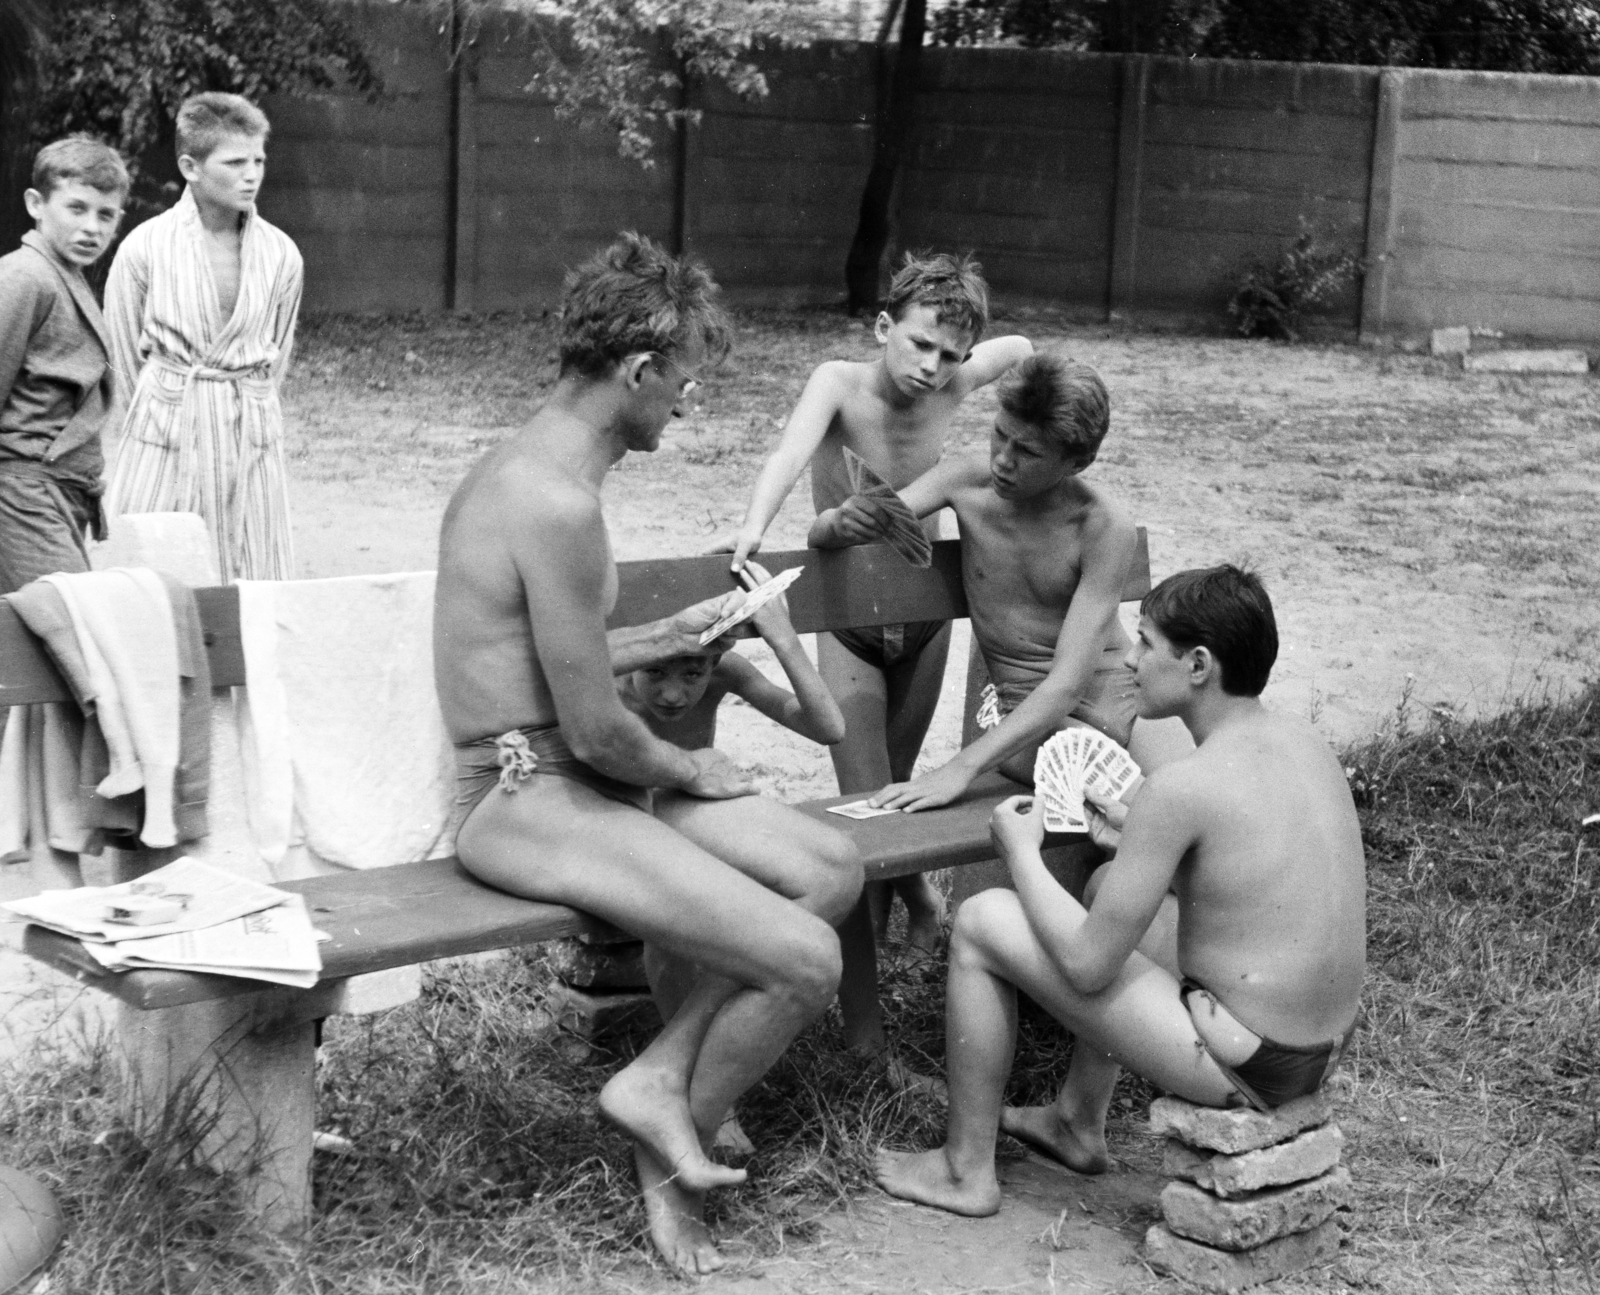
[1472,1118]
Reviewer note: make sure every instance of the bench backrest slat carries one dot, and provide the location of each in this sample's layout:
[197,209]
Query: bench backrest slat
[841,588]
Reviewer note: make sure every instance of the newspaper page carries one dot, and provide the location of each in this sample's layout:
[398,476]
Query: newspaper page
[274,944]
[197,894]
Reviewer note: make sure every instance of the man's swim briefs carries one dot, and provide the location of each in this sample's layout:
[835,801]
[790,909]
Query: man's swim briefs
[511,759]
[1275,1072]
[882,646]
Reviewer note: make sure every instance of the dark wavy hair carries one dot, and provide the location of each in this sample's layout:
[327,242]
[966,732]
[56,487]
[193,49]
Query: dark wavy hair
[953,285]
[1063,398]
[1226,610]
[634,297]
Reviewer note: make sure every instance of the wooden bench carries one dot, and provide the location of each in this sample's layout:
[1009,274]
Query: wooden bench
[255,1045]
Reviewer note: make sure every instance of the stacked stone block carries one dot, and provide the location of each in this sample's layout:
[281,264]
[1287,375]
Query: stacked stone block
[1252,1196]
[597,994]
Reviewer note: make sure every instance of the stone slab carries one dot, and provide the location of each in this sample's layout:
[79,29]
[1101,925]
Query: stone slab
[1226,1270]
[598,966]
[1526,362]
[1310,1155]
[1251,1221]
[1236,1129]
[1451,341]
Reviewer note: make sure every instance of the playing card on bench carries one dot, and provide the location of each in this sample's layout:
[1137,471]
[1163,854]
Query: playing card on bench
[754,601]
[902,531]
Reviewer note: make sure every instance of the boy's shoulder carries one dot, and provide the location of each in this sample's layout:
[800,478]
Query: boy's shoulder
[843,375]
[28,282]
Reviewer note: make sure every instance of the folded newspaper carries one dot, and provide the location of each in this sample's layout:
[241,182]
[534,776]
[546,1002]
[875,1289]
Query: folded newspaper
[273,944]
[185,916]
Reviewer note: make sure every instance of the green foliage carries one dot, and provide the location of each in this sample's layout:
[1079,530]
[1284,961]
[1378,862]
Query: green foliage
[624,63]
[1272,299]
[118,69]
[1558,36]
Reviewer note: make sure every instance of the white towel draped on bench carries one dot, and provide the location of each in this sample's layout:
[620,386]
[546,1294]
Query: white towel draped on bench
[345,751]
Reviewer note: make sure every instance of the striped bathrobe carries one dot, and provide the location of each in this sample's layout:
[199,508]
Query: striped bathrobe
[204,431]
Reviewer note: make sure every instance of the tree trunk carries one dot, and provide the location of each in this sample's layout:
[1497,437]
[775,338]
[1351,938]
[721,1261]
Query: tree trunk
[861,267]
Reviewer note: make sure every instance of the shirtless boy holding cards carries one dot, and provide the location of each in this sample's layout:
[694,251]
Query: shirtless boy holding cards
[1223,949]
[1044,557]
[894,413]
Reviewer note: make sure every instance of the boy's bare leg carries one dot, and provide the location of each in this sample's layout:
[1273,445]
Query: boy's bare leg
[1063,1130]
[772,968]
[1138,1018]
[885,721]
[913,696]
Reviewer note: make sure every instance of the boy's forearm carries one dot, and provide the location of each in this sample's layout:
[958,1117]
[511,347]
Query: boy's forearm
[824,721]
[772,487]
[1057,921]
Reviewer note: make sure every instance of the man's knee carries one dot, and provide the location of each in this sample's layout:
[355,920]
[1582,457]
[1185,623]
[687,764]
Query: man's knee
[811,973]
[833,875]
[981,921]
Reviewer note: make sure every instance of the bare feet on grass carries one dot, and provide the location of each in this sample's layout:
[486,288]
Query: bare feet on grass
[654,1111]
[1046,1132]
[927,1178]
[924,917]
[731,1138]
[677,1218]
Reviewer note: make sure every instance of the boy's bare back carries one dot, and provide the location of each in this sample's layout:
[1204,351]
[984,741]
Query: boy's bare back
[1272,915]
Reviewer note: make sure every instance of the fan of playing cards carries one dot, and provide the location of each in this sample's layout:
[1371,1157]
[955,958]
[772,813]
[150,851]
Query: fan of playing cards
[1076,760]
[754,601]
[901,531]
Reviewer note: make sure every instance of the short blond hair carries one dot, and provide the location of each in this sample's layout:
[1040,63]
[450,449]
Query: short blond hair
[82,158]
[205,120]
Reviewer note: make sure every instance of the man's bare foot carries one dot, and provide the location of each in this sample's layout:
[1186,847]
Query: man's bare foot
[731,1138]
[677,1218]
[653,1110]
[926,1178]
[1046,1132]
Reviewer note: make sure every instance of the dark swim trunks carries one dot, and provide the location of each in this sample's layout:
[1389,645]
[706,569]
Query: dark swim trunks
[882,646]
[1275,1072]
[511,759]
[1107,703]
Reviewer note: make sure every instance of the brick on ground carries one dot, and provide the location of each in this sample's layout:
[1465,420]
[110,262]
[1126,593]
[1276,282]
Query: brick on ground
[1253,1220]
[1227,1270]
[1309,1155]
[1556,361]
[1237,1129]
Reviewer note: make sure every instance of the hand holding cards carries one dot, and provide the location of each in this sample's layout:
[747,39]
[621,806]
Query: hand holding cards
[1076,760]
[901,530]
[757,598]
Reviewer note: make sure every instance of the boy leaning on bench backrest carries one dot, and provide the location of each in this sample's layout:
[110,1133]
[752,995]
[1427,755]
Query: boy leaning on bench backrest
[895,412]
[1045,555]
[56,380]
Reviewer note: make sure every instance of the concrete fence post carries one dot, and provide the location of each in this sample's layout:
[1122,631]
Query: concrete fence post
[461,269]
[1381,206]
[1130,166]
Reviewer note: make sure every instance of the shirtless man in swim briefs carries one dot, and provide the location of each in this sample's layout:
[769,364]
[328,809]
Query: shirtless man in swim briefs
[1222,953]
[572,799]
[1044,556]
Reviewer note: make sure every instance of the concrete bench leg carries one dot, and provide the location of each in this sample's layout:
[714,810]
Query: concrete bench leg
[240,1073]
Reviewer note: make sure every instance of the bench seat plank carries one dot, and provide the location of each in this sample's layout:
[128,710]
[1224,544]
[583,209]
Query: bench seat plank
[372,916]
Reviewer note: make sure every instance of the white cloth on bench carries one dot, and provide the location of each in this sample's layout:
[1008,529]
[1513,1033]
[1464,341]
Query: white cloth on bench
[345,750]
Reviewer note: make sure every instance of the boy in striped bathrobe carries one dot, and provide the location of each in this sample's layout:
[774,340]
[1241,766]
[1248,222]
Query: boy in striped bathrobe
[201,307]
